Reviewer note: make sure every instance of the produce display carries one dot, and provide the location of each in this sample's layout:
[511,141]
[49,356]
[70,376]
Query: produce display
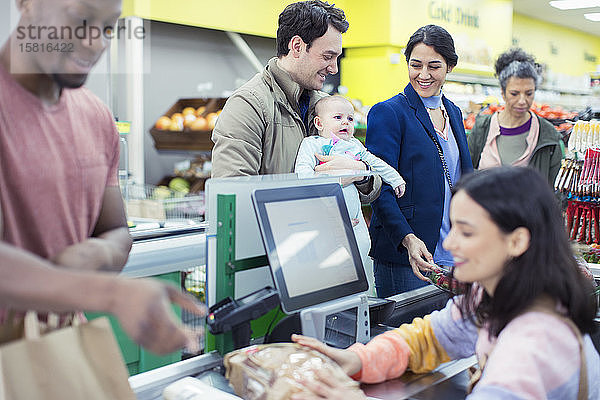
[559,117]
[189,119]
[187,124]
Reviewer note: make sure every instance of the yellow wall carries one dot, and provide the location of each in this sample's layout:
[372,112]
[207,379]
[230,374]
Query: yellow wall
[379,29]
[369,75]
[569,45]
[369,22]
[255,17]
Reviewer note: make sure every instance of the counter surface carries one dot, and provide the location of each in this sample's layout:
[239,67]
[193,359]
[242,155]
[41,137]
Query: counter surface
[414,386]
[160,251]
[447,382]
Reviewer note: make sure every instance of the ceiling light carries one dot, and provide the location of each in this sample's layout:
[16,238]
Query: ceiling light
[593,17]
[574,4]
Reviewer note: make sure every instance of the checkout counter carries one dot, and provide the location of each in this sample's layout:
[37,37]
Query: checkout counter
[448,381]
[162,253]
[185,249]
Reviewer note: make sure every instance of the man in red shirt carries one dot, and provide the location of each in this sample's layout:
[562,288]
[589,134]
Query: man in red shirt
[61,207]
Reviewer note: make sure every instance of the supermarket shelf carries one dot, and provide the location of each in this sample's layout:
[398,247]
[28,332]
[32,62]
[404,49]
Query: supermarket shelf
[464,78]
[491,81]
[580,92]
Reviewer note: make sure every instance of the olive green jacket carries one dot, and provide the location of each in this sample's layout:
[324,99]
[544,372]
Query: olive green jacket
[546,155]
[260,129]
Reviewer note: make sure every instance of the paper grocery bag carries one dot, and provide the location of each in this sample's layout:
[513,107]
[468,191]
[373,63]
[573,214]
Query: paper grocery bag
[82,361]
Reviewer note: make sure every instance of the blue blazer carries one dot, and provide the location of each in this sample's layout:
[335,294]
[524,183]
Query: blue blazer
[396,132]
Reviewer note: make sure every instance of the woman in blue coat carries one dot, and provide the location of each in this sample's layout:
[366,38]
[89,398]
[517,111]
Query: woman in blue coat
[420,133]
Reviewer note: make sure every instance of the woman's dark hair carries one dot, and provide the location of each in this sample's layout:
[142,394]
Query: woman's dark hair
[309,20]
[520,197]
[436,37]
[516,62]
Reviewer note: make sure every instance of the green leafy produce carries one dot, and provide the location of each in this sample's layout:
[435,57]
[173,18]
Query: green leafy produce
[180,185]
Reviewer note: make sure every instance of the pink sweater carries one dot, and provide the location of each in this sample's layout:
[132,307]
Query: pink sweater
[536,356]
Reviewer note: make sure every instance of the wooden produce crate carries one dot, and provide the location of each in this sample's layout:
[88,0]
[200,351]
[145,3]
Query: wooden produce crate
[188,139]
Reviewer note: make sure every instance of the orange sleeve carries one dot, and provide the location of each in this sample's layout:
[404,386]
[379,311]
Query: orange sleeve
[384,357]
[388,355]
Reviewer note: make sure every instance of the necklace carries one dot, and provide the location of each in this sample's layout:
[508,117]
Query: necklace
[443,132]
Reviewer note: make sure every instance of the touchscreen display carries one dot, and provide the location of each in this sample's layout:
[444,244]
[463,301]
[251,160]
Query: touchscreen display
[312,246]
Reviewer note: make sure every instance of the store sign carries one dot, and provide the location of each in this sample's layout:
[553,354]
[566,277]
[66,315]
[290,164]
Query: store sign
[123,127]
[589,57]
[481,29]
[452,14]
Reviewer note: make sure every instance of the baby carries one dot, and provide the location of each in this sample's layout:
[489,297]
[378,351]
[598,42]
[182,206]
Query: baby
[335,122]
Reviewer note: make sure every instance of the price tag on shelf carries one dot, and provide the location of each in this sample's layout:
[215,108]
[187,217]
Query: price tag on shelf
[123,127]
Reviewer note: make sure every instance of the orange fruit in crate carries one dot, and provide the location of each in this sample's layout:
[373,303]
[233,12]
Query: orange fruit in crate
[212,119]
[176,122]
[176,126]
[200,124]
[163,123]
[188,119]
[200,110]
[177,119]
[188,110]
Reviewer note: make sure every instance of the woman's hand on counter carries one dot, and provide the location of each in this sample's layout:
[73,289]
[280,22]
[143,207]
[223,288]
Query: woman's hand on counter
[143,307]
[348,360]
[419,257]
[326,386]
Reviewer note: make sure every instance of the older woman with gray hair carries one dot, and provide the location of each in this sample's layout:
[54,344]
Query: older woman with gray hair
[514,135]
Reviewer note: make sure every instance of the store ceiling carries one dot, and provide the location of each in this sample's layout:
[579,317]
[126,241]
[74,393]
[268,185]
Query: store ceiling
[573,19]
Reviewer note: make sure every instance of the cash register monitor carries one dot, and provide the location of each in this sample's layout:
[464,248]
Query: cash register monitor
[310,244]
[315,262]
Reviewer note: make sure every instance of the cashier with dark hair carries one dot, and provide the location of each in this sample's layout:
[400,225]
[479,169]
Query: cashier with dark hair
[527,314]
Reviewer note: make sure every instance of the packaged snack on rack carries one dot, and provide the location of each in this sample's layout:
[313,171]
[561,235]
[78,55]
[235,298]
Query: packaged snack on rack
[442,278]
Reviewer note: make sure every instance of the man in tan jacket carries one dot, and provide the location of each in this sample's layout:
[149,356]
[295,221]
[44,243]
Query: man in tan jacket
[264,121]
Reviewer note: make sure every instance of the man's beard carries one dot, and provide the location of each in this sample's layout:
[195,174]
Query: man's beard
[69,81]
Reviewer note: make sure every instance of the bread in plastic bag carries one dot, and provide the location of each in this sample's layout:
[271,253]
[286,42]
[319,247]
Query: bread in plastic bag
[270,372]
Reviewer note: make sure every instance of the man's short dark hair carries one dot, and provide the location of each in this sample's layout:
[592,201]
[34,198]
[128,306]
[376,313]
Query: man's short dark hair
[309,20]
